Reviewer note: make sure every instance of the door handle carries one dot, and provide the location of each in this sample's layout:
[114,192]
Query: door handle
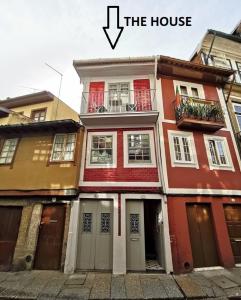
[237,240]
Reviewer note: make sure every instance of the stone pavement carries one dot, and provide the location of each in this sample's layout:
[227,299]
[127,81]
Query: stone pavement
[44,285]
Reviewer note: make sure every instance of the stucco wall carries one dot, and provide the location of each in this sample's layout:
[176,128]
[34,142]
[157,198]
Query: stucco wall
[31,169]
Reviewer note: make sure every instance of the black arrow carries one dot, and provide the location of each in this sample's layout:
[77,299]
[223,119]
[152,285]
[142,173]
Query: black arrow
[113,37]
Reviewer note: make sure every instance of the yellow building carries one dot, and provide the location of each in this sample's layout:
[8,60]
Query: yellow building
[40,151]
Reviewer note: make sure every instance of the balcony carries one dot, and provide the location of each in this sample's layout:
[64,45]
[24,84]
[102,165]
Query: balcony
[119,107]
[198,114]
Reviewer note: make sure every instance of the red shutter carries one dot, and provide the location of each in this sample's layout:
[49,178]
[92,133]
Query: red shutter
[96,96]
[142,94]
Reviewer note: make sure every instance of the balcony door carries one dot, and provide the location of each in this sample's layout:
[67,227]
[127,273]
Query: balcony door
[119,97]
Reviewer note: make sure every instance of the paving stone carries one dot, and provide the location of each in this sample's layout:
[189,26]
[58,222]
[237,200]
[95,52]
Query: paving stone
[118,290]
[234,292]
[89,281]
[76,279]
[152,287]
[170,286]
[41,278]
[74,293]
[224,282]
[189,287]
[206,285]
[15,283]
[230,274]
[4,276]
[133,286]
[52,288]
[101,286]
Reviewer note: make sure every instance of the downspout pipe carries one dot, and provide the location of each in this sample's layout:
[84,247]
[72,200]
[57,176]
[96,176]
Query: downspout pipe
[211,46]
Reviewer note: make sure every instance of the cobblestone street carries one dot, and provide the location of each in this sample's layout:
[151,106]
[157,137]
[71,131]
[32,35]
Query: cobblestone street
[216,284]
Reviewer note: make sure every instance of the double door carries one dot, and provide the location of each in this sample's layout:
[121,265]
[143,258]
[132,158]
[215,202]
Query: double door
[95,235]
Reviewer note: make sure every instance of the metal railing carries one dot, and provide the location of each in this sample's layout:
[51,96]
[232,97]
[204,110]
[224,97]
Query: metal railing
[118,101]
[196,108]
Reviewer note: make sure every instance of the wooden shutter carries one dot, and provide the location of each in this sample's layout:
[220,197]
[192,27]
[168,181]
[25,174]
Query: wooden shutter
[96,96]
[142,94]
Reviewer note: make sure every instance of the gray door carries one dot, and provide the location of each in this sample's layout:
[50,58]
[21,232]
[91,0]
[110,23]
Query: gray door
[95,236]
[135,236]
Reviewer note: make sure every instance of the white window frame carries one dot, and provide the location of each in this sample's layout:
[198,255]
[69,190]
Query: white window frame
[176,163]
[52,152]
[90,165]
[236,104]
[189,86]
[14,153]
[229,166]
[151,164]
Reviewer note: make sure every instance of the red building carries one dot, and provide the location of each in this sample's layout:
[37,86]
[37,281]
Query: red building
[200,165]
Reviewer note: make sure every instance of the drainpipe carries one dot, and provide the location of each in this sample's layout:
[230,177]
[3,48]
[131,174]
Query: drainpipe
[230,89]
[211,46]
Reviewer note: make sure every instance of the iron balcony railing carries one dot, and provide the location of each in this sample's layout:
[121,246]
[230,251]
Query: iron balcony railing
[118,101]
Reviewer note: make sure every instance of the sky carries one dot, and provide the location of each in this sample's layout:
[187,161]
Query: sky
[56,32]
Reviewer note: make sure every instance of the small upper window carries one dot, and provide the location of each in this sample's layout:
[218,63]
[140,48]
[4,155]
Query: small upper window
[183,90]
[8,150]
[195,92]
[218,152]
[38,115]
[63,148]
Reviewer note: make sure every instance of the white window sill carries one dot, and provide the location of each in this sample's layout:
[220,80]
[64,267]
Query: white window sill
[106,166]
[140,165]
[222,168]
[185,165]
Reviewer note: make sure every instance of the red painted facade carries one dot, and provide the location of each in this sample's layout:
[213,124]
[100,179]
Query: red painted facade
[179,230]
[121,174]
[202,179]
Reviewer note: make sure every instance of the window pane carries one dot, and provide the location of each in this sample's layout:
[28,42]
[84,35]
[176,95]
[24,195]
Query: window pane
[139,148]
[63,148]
[183,90]
[186,149]
[239,121]
[213,152]
[195,92]
[237,109]
[177,148]
[221,153]
[8,151]
[101,152]
[38,115]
